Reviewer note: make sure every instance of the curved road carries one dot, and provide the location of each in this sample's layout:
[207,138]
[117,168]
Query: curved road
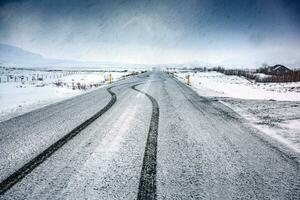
[159,140]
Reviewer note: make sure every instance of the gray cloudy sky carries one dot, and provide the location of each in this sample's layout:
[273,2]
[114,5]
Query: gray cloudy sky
[174,31]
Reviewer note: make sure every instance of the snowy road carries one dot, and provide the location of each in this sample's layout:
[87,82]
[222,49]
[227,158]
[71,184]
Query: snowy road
[159,140]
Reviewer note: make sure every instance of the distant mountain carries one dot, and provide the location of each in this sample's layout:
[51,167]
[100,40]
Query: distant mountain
[16,57]
[14,54]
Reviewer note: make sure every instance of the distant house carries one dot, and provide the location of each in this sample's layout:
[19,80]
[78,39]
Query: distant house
[277,70]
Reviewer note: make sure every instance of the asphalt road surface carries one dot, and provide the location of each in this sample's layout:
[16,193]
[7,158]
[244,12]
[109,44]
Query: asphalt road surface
[148,137]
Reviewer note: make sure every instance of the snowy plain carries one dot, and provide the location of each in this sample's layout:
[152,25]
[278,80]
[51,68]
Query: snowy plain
[23,90]
[273,108]
[221,85]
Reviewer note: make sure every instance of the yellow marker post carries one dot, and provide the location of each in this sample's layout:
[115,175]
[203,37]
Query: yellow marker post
[188,80]
[110,78]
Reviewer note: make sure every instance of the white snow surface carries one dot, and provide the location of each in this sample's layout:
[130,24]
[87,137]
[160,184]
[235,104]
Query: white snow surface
[279,120]
[220,85]
[18,96]
[272,108]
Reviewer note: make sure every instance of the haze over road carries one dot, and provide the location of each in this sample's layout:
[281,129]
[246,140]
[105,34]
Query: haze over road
[154,138]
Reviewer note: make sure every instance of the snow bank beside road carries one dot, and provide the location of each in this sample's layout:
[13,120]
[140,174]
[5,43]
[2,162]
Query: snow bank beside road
[279,118]
[16,98]
[221,85]
[18,95]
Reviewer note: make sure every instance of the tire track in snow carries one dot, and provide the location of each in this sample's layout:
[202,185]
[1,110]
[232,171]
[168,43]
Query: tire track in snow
[17,176]
[147,185]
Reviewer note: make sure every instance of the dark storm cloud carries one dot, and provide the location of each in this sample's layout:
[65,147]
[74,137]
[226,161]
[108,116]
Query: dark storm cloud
[151,31]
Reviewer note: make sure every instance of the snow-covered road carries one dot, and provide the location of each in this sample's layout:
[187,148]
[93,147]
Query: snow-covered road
[204,150]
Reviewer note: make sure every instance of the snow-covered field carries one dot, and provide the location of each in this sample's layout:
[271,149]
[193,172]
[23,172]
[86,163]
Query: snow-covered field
[220,85]
[22,90]
[273,108]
